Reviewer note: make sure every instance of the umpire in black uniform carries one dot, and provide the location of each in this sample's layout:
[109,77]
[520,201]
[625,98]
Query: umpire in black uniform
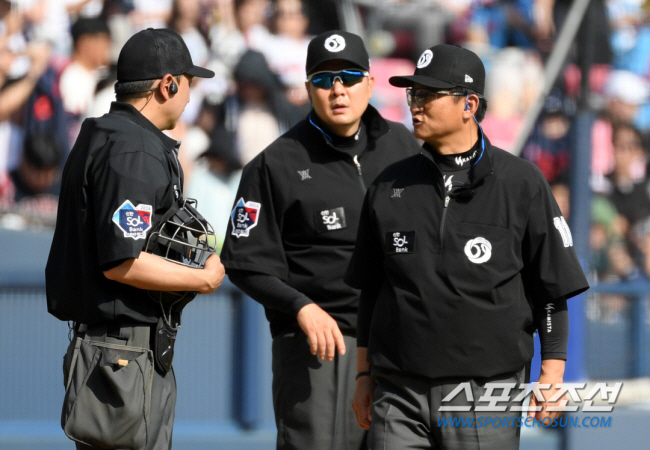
[120,179]
[293,230]
[462,253]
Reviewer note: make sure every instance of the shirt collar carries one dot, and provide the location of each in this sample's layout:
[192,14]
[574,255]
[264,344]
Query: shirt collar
[481,168]
[375,125]
[127,110]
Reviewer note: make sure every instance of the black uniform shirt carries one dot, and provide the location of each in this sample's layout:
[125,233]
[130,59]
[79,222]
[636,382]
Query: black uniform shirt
[121,176]
[459,272]
[297,208]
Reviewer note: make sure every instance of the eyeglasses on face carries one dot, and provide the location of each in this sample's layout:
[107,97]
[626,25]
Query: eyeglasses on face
[347,77]
[421,96]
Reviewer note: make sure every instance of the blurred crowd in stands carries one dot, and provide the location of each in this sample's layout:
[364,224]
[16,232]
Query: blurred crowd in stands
[57,67]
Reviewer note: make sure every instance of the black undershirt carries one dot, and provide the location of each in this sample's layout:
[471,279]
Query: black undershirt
[552,322]
[455,168]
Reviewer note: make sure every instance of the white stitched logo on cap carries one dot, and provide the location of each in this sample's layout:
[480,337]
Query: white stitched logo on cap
[468,79]
[425,59]
[335,43]
[478,250]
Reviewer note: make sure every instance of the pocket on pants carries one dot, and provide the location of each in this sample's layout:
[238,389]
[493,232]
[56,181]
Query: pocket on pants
[108,395]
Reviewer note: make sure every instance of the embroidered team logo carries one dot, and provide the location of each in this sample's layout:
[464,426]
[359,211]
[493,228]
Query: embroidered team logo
[304,175]
[335,43]
[397,193]
[400,242]
[425,59]
[478,250]
[331,219]
[134,221]
[244,217]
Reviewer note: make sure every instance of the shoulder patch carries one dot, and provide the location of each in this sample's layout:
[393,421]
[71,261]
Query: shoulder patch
[244,217]
[134,221]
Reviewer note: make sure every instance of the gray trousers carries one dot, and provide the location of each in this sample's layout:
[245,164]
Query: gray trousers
[312,399]
[163,394]
[406,416]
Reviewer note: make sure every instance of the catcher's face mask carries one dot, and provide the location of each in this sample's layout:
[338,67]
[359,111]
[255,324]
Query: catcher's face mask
[183,237]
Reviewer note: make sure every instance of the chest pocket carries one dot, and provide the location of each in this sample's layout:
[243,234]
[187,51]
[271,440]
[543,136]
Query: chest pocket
[480,257]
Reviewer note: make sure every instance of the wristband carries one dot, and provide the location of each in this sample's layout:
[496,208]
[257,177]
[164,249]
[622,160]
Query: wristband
[363,374]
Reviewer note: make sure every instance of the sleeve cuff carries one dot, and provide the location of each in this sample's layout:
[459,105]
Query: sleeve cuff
[554,355]
[298,303]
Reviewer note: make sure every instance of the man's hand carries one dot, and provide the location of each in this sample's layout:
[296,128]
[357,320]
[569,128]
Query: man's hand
[362,401]
[322,331]
[214,273]
[552,372]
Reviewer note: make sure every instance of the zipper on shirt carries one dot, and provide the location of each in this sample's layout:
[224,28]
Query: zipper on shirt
[442,220]
[178,168]
[355,159]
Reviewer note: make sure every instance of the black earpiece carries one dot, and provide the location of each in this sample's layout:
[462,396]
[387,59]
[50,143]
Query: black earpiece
[173,88]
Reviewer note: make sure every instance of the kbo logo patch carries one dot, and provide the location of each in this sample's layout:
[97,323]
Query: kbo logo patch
[134,221]
[244,217]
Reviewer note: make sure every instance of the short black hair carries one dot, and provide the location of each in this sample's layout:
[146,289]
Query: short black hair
[482,102]
[42,150]
[127,90]
[87,25]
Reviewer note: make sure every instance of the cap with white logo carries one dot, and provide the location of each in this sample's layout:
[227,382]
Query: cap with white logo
[337,45]
[444,67]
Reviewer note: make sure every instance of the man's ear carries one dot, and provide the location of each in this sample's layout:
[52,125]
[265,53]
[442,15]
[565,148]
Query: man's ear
[371,85]
[307,85]
[166,86]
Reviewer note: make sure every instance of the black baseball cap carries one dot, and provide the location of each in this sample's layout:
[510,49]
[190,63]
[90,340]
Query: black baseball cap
[337,45]
[444,67]
[153,53]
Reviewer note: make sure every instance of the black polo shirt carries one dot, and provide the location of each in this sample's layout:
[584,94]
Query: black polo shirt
[120,178]
[457,274]
[297,208]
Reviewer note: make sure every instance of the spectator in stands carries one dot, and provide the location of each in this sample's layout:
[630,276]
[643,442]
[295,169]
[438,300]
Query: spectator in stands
[19,75]
[515,77]
[625,186]
[215,179]
[79,79]
[549,146]
[626,98]
[150,13]
[39,170]
[287,51]
[35,185]
[185,18]
[259,111]
[630,37]
[242,25]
